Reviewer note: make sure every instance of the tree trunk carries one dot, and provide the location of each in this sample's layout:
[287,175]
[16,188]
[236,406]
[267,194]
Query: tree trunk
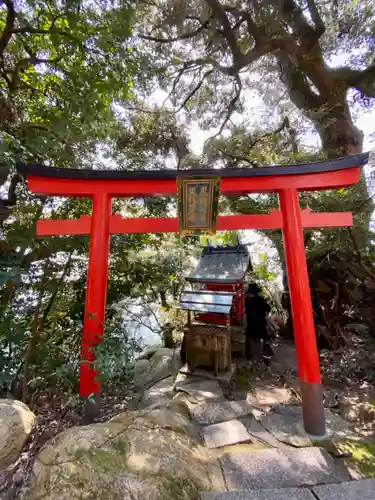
[334,124]
[340,135]
[326,106]
[34,337]
[163,299]
[328,110]
[39,321]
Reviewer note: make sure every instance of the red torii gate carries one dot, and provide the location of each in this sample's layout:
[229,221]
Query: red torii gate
[102,185]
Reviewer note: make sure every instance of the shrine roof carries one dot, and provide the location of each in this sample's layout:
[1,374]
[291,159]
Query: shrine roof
[167,174]
[227,264]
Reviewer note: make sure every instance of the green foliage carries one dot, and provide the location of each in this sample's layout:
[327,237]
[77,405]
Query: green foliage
[64,69]
[115,355]
[363,457]
[221,238]
[261,270]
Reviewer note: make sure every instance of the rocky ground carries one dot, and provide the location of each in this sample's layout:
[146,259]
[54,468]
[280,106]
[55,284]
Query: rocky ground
[191,424]
[348,382]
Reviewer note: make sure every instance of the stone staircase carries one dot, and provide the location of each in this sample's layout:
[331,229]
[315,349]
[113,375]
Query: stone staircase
[287,474]
[253,464]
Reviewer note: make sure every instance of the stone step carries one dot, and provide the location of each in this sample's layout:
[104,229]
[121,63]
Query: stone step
[268,494]
[280,468]
[225,434]
[199,389]
[208,413]
[353,490]
[257,431]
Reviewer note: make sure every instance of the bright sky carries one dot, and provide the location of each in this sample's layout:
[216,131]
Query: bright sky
[365,122]
[257,112]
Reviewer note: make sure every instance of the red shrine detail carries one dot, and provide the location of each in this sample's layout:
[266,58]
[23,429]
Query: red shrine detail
[222,269]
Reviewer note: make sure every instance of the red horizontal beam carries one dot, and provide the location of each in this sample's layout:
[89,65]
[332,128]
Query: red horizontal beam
[234,186]
[118,225]
[330,219]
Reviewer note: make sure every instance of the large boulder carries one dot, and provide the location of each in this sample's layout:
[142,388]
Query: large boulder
[16,423]
[140,366]
[164,363]
[148,352]
[146,455]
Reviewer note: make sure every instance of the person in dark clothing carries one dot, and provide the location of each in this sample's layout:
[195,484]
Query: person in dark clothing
[257,336]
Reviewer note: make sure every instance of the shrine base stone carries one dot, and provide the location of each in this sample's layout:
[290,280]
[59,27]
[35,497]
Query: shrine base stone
[223,377]
[199,388]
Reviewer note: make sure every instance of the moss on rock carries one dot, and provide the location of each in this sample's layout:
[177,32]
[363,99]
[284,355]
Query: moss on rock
[135,455]
[181,487]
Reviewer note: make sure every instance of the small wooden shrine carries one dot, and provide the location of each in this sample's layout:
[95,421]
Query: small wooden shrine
[214,307]
[223,269]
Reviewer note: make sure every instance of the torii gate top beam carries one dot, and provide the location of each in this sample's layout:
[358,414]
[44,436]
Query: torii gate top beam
[341,172]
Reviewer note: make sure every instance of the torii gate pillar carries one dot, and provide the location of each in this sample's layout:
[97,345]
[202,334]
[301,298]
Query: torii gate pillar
[302,314]
[96,291]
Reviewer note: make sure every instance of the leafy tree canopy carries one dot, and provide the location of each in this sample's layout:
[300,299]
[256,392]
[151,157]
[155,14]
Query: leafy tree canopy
[207,53]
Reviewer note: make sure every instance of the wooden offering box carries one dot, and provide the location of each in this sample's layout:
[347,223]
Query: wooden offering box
[207,345]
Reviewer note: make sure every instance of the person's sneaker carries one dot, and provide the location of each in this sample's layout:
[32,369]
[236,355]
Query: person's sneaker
[267,351]
[266,361]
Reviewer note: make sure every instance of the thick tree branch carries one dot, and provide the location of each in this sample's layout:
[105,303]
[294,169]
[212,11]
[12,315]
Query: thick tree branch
[9,25]
[238,158]
[293,15]
[363,80]
[297,85]
[262,47]
[284,124]
[254,30]
[316,17]
[264,43]
[228,33]
[195,89]
[183,36]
